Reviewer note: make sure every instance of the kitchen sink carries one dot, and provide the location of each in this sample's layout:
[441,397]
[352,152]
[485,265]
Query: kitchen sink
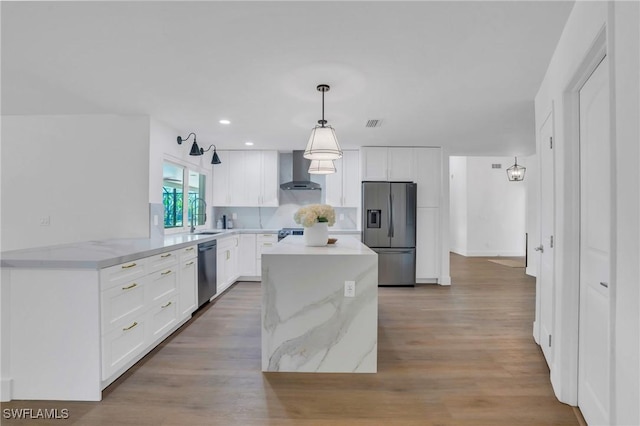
[208,232]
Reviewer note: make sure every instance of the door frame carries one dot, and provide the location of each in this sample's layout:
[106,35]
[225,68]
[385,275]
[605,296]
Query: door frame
[564,377]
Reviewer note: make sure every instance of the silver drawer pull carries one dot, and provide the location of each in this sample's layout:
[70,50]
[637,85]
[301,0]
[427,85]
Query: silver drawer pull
[267,244]
[189,249]
[168,304]
[129,287]
[165,255]
[166,272]
[128,266]
[605,285]
[130,327]
[190,263]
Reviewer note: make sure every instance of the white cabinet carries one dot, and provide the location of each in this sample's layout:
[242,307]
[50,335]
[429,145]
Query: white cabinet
[227,262]
[343,186]
[427,243]
[387,164]
[264,242]
[142,302]
[247,255]
[188,281]
[246,178]
[428,176]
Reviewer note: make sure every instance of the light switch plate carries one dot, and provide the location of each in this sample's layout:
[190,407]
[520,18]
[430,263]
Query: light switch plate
[349,289]
[234,216]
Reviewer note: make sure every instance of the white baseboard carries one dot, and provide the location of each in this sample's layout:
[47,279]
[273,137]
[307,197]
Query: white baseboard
[536,332]
[426,281]
[494,253]
[445,280]
[5,389]
[530,271]
[248,278]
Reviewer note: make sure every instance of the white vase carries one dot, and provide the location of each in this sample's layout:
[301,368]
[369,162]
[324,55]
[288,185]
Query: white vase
[316,235]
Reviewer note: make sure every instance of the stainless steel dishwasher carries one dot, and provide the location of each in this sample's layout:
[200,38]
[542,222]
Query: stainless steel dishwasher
[207,253]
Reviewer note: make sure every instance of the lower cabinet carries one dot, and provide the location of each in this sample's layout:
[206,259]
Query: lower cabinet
[227,262]
[139,309]
[247,256]
[264,242]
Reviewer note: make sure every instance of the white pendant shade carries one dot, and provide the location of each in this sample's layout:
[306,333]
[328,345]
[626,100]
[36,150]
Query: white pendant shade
[323,144]
[322,167]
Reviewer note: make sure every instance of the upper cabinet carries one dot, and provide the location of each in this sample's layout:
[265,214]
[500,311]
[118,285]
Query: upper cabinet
[246,179]
[343,186]
[387,164]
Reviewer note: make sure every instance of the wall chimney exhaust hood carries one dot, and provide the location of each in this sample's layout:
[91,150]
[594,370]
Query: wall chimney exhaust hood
[301,179]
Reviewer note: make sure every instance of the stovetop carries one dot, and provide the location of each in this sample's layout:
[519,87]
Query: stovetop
[289,231]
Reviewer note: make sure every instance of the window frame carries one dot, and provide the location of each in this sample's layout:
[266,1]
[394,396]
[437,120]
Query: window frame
[208,181]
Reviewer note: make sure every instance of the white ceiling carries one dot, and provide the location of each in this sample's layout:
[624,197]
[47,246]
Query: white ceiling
[456,74]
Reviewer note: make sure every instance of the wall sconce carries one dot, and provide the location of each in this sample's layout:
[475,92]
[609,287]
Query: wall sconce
[196,150]
[515,173]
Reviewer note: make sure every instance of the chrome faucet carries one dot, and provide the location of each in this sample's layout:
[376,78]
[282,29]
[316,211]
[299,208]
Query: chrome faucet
[194,214]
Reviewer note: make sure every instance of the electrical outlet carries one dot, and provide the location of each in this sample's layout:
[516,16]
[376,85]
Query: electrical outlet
[234,216]
[349,289]
[155,220]
[45,221]
[341,216]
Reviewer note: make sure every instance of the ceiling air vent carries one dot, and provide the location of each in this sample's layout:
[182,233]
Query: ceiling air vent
[496,166]
[373,123]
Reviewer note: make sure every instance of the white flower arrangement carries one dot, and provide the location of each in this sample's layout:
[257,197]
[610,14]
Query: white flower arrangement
[307,216]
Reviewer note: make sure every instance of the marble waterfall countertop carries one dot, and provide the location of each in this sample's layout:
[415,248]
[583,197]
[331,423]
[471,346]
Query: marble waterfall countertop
[309,324]
[104,253]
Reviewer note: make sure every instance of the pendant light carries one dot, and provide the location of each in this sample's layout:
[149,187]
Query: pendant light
[515,173]
[323,143]
[322,167]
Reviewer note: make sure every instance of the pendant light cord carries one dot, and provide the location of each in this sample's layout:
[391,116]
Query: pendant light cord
[323,121]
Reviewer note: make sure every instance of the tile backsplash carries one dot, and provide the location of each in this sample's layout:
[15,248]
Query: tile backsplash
[282,216]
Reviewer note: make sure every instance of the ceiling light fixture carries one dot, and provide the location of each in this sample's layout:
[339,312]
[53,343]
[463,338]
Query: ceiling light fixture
[323,143]
[322,167]
[515,173]
[197,151]
[248,143]
[224,122]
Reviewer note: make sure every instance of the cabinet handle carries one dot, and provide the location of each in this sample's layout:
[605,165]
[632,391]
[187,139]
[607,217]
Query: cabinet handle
[130,327]
[164,306]
[189,249]
[267,244]
[190,263]
[603,284]
[128,266]
[165,255]
[130,286]
[166,273]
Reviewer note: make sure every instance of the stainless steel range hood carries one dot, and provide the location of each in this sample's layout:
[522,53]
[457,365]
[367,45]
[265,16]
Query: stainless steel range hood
[301,179]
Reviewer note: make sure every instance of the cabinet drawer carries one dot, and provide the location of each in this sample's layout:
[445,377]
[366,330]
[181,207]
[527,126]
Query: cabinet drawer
[118,302]
[162,317]
[118,274]
[265,246]
[162,283]
[188,252]
[123,344]
[162,260]
[267,238]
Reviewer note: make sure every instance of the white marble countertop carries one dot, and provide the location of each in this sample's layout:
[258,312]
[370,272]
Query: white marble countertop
[293,245]
[104,253]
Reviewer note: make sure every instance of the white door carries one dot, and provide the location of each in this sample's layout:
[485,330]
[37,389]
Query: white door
[546,284]
[595,219]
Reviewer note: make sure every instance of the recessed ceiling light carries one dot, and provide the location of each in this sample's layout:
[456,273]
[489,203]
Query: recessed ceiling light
[224,122]
[248,143]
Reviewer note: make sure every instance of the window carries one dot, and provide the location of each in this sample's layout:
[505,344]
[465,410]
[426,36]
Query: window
[176,181]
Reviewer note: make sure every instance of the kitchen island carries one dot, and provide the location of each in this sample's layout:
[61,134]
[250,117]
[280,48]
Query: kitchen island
[320,307]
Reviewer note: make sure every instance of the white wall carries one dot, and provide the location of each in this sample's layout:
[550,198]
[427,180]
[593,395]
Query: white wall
[532,188]
[492,207]
[458,200]
[87,173]
[621,23]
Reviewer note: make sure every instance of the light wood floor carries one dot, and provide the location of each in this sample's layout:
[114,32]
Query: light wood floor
[459,355]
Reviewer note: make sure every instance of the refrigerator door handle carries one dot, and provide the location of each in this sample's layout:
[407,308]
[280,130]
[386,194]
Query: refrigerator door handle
[390,233]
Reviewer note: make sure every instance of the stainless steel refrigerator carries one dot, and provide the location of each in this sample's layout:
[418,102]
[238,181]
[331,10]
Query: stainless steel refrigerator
[389,229]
